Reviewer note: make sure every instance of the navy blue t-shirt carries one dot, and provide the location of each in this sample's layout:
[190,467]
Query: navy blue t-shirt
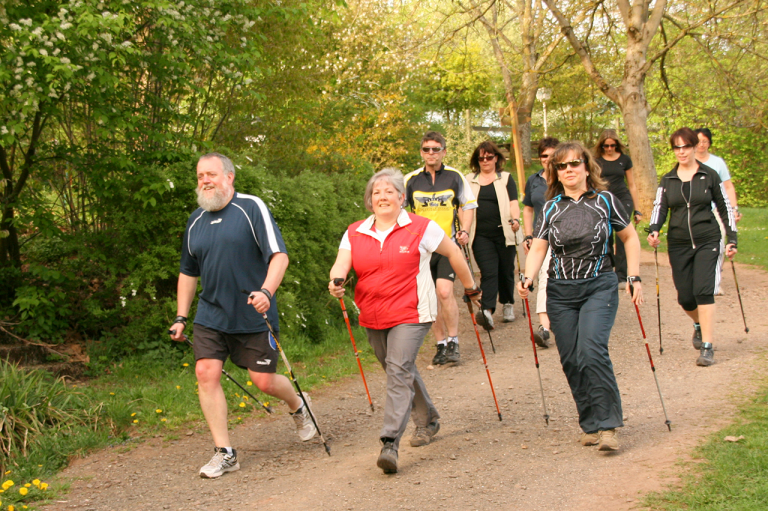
[230,250]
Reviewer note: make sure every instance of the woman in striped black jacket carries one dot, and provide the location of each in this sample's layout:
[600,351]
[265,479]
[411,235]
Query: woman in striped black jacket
[695,248]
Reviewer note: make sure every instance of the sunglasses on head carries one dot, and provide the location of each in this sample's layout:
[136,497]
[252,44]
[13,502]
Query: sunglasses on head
[609,146]
[681,147]
[487,157]
[431,149]
[564,164]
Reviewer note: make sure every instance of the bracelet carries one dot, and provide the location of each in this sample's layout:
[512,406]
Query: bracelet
[528,238]
[462,230]
[638,213]
[267,293]
[180,319]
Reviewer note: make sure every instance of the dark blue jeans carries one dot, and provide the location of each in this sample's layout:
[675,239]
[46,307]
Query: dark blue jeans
[582,313]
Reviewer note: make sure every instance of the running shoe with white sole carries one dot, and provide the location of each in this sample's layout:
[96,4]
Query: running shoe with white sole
[220,464]
[508,313]
[304,424]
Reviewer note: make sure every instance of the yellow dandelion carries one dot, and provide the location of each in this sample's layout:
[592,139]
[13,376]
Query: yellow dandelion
[239,418]
[159,410]
[36,482]
[163,419]
[43,486]
[24,507]
[133,414]
[28,485]
[135,421]
[242,405]
[249,383]
[11,508]
[23,491]
[195,383]
[266,403]
[7,472]
[8,483]
[185,364]
[111,393]
[237,395]
[178,387]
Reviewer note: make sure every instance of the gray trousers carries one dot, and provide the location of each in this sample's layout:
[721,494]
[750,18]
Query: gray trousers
[397,348]
[582,313]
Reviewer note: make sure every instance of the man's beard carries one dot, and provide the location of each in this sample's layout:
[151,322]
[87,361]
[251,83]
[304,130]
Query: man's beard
[214,203]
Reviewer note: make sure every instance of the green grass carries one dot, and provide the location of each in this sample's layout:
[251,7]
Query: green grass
[141,398]
[726,475]
[753,237]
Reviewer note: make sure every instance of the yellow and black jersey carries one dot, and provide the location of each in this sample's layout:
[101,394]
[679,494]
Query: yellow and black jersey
[439,201]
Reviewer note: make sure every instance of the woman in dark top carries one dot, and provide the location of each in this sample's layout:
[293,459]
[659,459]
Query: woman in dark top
[616,167]
[494,230]
[582,296]
[693,236]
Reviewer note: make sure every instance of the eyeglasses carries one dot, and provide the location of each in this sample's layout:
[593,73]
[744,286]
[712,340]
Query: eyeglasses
[609,146]
[682,147]
[573,164]
[544,156]
[431,149]
[487,157]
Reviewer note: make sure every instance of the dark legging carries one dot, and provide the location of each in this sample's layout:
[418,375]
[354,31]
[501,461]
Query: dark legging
[496,262]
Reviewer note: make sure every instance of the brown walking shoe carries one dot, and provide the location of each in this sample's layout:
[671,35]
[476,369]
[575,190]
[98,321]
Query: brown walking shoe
[588,439]
[608,440]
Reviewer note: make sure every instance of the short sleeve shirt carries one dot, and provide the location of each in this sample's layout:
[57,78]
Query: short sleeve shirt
[615,173]
[439,201]
[535,193]
[230,251]
[578,232]
[718,164]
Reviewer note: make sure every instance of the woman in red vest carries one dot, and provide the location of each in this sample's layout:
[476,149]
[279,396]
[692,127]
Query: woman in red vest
[390,252]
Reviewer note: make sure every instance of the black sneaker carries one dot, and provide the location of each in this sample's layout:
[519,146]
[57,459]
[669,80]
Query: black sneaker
[439,358]
[388,458]
[707,356]
[452,352]
[696,337]
[541,337]
[220,464]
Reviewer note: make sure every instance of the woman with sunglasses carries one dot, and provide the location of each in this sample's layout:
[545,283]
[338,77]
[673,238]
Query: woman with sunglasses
[693,236]
[493,232]
[582,296]
[616,169]
[533,202]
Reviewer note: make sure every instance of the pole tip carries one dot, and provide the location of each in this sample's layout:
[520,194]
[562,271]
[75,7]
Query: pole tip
[546,419]
[746,330]
[669,424]
[327,449]
[499,416]
[372,408]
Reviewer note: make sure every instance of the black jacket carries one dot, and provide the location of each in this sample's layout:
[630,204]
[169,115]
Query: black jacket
[692,217]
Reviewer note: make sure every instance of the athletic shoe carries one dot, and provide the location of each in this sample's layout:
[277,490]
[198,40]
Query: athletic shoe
[696,337]
[588,439]
[509,313]
[423,435]
[484,319]
[608,440]
[541,337]
[388,458]
[452,352]
[220,464]
[303,420]
[707,356]
[439,358]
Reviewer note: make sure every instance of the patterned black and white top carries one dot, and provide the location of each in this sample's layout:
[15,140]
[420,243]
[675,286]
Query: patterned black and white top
[578,232]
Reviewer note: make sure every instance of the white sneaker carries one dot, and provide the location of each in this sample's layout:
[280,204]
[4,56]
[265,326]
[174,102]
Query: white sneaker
[220,464]
[303,420]
[508,313]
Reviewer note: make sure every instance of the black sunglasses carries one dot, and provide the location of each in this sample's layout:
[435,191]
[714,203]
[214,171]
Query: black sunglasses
[606,146]
[679,147]
[431,149]
[573,164]
[487,157]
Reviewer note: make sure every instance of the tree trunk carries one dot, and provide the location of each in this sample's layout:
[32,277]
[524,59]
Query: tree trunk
[10,255]
[635,111]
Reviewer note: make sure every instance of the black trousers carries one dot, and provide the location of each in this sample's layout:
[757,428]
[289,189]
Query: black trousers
[497,269]
[620,257]
[582,313]
[695,272]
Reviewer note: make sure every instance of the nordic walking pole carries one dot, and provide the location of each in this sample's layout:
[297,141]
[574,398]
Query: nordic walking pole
[293,378]
[472,271]
[266,407]
[658,301]
[535,352]
[520,268]
[482,352]
[650,358]
[738,292]
[339,282]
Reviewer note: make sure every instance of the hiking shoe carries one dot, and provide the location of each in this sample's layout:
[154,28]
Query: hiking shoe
[303,420]
[508,312]
[588,439]
[388,458]
[220,463]
[707,356]
[439,358]
[541,337]
[484,319]
[696,339]
[452,352]
[608,440]
[423,435]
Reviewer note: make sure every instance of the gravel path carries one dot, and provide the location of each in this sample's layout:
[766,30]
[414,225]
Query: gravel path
[475,462]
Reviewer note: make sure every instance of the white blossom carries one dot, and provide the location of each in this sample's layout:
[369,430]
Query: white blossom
[38,31]
[60,36]
[90,76]
[170,183]
[65,60]
[26,21]
[66,25]
[14,26]
[43,52]
[3,130]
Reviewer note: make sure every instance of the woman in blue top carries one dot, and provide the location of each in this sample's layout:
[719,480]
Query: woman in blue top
[582,298]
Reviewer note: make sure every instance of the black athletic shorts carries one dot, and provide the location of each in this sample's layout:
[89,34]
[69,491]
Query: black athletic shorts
[441,268]
[257,351]
[696,272]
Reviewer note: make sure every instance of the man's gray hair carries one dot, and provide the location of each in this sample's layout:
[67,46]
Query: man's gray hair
[391,175]
[226,163]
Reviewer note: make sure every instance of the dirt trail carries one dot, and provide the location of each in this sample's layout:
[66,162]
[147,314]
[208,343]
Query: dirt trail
[475,462]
